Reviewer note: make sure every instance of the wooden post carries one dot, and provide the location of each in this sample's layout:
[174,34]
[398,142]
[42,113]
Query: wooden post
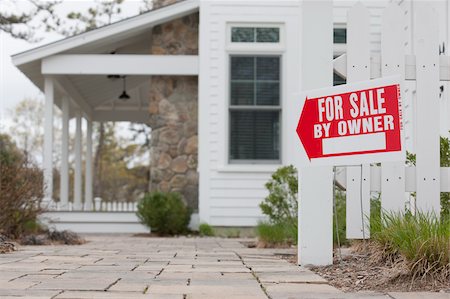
[393,63]
[427,135]
[316,183]
[77,184]
[358,69]
[48,139]
[64,189]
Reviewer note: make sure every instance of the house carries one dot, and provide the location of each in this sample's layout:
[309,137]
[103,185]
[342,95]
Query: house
[213,79]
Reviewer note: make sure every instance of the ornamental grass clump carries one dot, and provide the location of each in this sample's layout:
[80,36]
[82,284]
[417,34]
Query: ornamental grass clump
[421,240]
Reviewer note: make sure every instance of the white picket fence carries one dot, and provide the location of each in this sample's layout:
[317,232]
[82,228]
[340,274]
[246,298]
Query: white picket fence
[427,68]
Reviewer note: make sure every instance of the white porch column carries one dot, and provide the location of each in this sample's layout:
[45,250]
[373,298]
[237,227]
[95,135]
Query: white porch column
[88,174]
[48,140]
[64,189]
[78,176]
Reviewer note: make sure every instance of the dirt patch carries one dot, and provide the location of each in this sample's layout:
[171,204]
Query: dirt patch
[357,272]
[262,244]
[6,245]
[53,237]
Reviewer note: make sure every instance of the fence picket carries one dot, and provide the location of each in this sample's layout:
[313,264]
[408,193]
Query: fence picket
[427,118]
[393,63]
[358,69]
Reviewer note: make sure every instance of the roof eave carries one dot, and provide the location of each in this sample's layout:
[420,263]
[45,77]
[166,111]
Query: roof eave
[150,19]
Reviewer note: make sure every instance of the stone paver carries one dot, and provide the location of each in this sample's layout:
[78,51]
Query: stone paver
[123,266]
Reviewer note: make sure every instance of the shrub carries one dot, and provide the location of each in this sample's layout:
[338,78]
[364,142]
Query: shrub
[21,191]
[274,234]
[205,230]
[164,213]
[422,240]
[281,205]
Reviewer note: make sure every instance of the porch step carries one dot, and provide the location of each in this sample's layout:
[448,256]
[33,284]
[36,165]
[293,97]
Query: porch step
[94,222]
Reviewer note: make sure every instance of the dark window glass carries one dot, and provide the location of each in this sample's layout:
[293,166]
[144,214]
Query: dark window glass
[243,68]
[338,80]
[267,35]
[254,135]
[242,34]
[254,131]
[255,34]
[340,35]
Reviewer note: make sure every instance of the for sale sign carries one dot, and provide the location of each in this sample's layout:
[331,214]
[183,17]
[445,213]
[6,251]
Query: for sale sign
[353,123]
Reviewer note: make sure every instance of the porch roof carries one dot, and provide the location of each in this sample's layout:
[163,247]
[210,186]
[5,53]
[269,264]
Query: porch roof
[95,93]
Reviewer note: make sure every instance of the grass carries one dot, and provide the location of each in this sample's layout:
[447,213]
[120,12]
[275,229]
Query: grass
[206,230]
[422,240]
[276,234]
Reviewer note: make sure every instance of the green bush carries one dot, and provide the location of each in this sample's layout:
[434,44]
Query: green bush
[422,240]
[164,213]
[206,230]
[275,234]
[21,191]
[281,205]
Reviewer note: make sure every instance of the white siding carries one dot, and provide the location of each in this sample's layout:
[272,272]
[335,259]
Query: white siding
[230,194]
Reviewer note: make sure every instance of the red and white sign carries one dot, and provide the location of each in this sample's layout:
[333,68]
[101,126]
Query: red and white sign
[353,123]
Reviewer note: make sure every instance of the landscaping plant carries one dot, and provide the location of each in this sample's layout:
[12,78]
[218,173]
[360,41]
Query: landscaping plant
[21,191]
[164,213]
[281,207]
[206,230]
[421,240]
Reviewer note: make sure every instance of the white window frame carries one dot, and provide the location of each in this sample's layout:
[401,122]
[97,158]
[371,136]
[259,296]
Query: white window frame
[254,49]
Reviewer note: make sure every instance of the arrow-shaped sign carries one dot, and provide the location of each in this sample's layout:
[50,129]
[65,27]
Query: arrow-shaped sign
[352,120]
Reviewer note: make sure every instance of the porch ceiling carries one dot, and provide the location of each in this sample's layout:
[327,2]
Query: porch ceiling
[97,95]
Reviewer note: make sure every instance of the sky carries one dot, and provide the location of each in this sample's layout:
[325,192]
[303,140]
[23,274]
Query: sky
[14,86]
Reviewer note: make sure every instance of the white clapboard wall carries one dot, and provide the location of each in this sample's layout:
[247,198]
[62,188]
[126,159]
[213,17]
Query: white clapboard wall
[423,71]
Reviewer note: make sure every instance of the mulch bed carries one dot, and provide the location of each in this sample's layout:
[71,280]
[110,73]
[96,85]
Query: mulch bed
[356,271]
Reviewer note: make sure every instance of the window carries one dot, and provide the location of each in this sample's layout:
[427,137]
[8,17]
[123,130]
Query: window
[255,35]
[254,108]
[340,35]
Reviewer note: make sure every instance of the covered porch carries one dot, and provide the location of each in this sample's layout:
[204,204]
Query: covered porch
[104,75]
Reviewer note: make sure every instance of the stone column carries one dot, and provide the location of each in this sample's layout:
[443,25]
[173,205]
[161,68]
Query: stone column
[173,111]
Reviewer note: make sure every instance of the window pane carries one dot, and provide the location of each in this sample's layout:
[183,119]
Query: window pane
[338,80]
[254,135]
[267,93]
[340,35]
[242,93]
[242,68]
[267,35]
[268,68]
[242,35]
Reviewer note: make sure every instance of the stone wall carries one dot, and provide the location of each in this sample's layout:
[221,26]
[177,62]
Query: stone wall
[173,111]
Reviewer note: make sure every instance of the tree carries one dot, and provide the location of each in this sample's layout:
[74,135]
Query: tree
[23,19]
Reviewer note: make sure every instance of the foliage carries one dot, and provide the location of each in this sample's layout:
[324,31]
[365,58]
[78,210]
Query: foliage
[24,23]
[281,204]
[21,191]
[339,219]
[422,240]
[275,234]
[165,213]
[444,162]
[117,177]
[206,230]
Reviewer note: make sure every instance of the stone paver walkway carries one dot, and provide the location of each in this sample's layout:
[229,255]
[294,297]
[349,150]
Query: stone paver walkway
[121,266]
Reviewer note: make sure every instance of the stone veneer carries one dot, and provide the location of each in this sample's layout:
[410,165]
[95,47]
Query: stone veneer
[173,111]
